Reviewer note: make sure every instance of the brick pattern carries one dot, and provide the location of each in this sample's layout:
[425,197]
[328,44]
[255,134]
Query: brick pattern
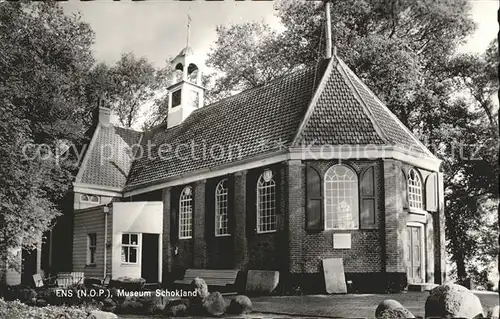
[365,254]
[240,216]
[266,250]
[395,219]
[166,242]
[184,247]
[199,242]
[295,208]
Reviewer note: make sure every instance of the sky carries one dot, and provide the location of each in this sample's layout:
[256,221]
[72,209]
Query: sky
[156,29]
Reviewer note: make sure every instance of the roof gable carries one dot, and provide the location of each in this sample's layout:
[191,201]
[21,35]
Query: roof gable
[347,112]
[108,160]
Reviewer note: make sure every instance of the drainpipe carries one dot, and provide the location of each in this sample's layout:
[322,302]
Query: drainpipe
[106,212]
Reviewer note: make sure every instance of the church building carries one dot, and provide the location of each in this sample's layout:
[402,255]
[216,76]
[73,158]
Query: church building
[311,165]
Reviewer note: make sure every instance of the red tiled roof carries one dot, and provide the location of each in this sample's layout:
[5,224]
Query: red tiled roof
[261,120]
[109,160]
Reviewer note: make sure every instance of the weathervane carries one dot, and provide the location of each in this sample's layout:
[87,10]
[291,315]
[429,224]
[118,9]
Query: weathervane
[188,27]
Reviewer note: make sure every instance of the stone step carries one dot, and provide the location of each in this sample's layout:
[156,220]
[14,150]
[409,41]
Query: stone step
[421,286]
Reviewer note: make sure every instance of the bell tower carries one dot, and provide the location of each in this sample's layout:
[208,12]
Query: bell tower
[185,93]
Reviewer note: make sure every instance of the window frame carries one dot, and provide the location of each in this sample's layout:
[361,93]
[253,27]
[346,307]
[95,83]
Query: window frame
[89,198]
[355,201]
[130,245]
[410,194]
[219,187]
[91,249]
[273,195]
[182,200]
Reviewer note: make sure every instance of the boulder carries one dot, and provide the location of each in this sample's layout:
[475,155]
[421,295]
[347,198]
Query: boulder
[452,301]
[386,305]
[240,305]
[493,313]
[177,308]
[395,313]
[214,304]
[96,314]
[130,306]
[108,305]
[262,281]
[200,289]
[41,302]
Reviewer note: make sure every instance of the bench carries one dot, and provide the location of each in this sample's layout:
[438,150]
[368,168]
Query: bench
[212,277]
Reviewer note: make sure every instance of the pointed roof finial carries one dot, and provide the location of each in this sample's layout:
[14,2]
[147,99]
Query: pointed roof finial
[188,27]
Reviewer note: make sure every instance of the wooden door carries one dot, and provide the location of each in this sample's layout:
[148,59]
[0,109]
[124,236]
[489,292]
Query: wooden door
[414,254]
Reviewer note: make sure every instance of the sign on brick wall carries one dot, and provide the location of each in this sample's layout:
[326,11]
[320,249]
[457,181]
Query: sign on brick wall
[342,241]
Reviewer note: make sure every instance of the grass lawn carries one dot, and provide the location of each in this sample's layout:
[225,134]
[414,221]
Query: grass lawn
[340,306]
[350,306]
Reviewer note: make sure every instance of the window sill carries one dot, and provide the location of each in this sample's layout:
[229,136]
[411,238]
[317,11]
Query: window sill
[266,232]
[183,238]
[129,264]
[91,266]
[340,229]
[223,235]
[418,211]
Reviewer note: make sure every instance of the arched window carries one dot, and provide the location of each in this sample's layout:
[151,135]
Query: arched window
[414,190]
[221,200]
[341,198]
[186,213]
[266,202]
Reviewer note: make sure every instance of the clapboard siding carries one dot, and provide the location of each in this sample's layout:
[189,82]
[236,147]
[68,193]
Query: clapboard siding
[89,221]
[110,246]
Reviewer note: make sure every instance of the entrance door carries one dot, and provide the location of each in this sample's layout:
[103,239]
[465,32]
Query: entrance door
[149,261]
[414,254]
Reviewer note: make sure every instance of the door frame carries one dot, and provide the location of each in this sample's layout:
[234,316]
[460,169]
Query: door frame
[160,254]
[423,245]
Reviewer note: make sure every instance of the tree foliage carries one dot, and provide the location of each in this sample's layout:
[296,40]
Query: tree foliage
[406,52]
[128,85]
[44,55]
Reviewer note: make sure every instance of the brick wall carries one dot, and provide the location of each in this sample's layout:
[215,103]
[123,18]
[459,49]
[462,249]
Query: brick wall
[310,248]
[267,250]
[199,241]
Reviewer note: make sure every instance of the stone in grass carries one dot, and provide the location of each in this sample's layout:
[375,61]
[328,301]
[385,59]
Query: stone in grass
[493,313]
[177,308]
[240,305]
[41,303]
[395,313]
[109,305]
[200,289]
[96,314]
[452,301]
[130,306]
[214,304]
[387,304]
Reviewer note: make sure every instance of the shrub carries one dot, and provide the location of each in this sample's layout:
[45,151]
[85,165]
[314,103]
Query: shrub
[16,309]
[214,304]
[240,305]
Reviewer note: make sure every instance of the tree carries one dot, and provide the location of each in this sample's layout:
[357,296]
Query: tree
[405,51]
[127,86]
[44,56]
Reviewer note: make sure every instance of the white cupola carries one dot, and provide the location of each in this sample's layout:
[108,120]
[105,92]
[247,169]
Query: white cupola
[185,94]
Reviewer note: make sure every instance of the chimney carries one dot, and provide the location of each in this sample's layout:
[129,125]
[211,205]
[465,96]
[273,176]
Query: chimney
[328,27]
[104,112]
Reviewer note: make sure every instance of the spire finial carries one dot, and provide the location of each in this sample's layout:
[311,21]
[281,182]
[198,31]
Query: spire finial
[188,27]
[328,27]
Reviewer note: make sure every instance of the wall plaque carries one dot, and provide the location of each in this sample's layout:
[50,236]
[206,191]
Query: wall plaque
[342,241]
